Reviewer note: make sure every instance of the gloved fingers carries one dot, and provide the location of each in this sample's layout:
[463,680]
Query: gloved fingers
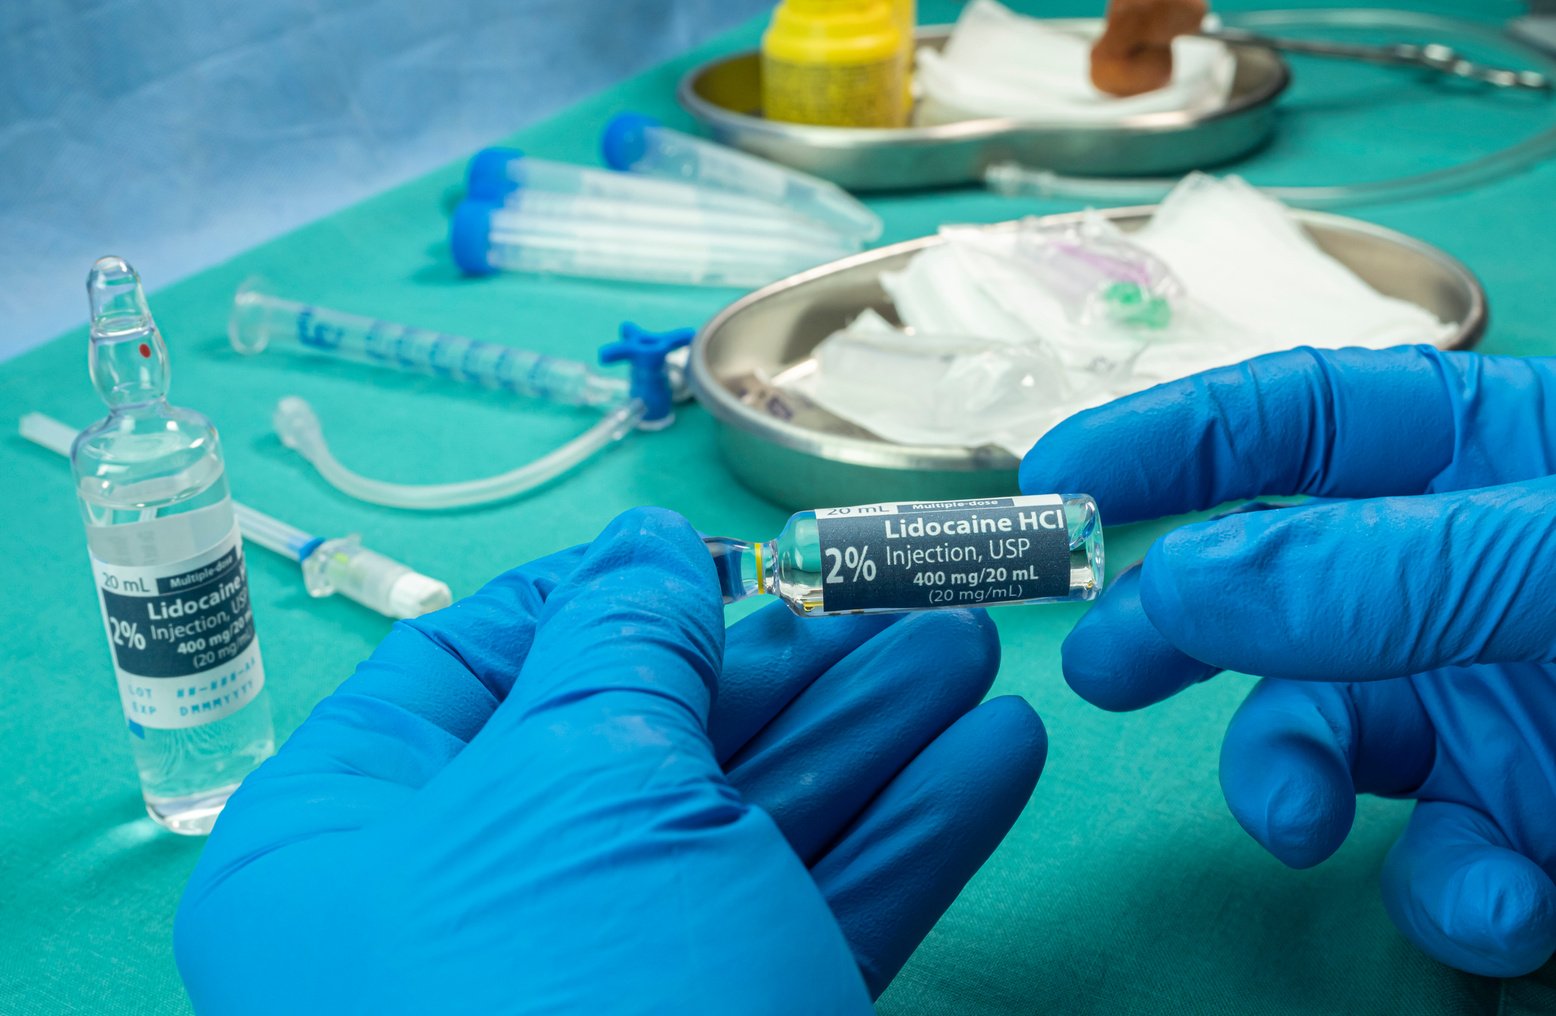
[1296,754]
[1362,590]
[892,873]
[632,640]
[1134,54]
[897,868]
[411,706]
[771,657]
[585,836]
[1456,889]
[593,796]
[1303,421]
[607,722]
[1115,658]
[847,735]
[434,680]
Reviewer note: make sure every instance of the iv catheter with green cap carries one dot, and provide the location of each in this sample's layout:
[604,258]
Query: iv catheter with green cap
[329,566]
[643,401]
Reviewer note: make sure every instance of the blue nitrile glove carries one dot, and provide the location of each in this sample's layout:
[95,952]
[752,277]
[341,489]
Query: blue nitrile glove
[1406,636]
[565,794]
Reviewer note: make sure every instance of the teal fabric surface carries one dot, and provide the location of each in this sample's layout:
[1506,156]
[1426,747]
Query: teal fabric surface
[1126,887]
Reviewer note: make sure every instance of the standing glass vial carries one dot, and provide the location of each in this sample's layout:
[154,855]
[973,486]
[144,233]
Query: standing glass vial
[169,568]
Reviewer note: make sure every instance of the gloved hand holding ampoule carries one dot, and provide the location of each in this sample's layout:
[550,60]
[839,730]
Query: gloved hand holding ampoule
[567,794]
[1405,637]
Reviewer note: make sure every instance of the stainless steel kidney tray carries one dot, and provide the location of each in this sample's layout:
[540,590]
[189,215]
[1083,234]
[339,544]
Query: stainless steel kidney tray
[799,456]
[726,96]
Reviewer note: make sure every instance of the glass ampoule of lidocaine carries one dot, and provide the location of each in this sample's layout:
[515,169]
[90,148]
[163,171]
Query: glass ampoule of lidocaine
[168,562]
[922,555]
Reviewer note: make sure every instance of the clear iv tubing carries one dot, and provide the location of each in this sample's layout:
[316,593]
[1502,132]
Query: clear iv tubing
[260,319]
[1011,179]
[300,430]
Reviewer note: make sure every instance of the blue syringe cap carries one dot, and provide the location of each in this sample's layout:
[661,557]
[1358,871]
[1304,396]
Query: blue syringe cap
[645,352]
[487,177]
[470,236]
[622,144]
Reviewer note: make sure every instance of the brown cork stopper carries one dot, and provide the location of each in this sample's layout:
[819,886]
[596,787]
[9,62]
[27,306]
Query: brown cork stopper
[1134,54]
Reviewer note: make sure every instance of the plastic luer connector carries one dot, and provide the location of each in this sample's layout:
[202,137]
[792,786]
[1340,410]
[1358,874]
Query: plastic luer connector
[346,567]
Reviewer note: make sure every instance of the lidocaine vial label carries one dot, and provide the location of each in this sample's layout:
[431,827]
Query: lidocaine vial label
[182,637]
[922,554]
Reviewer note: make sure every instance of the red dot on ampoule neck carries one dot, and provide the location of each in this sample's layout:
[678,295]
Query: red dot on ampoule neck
[145,350]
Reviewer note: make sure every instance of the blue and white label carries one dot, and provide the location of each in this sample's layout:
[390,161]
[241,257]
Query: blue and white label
[182,637]
[922,555]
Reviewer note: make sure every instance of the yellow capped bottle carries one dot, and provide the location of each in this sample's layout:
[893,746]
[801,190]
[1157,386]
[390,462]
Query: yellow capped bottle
[836,63]
[905,14]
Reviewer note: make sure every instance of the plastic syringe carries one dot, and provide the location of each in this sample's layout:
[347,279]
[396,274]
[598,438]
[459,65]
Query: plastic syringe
[260,319]
[486,238]
[642,145]
[340,565]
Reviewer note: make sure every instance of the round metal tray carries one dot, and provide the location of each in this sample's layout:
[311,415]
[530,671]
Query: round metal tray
[814,459]
[725,95]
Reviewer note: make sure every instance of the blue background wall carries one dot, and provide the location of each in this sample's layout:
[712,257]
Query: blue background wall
[179,132]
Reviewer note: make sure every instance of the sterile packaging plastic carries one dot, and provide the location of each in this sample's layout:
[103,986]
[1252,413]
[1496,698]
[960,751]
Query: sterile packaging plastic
[642,145]
[999,63]
[1099,277]
[928,389]
[1241,254]
[985,326]
[980,284]
[486,238]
